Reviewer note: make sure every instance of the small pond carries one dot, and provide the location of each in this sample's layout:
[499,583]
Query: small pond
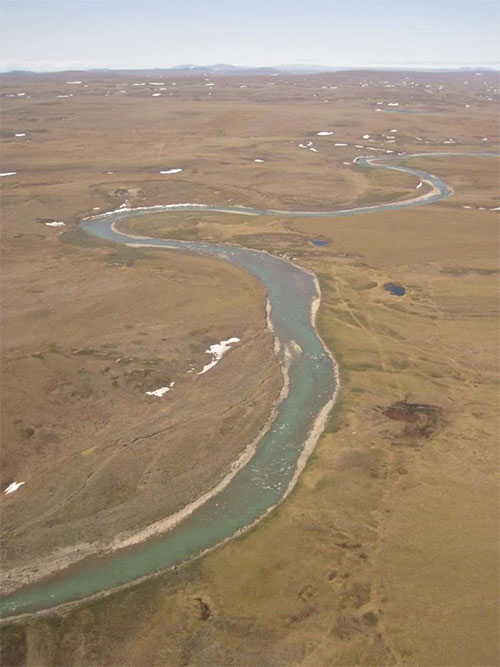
[397,290]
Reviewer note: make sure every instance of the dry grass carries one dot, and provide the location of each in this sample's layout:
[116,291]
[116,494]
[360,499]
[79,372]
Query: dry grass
[387,551]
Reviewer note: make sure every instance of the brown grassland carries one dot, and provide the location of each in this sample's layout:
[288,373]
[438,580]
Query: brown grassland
[386,553]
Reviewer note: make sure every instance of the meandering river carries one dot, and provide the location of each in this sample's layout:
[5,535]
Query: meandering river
[258,484]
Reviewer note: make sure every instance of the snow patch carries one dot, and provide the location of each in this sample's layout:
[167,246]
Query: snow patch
[13,487]
[217,351]
[324,134]
[56,224]
[161,391]
[171,171]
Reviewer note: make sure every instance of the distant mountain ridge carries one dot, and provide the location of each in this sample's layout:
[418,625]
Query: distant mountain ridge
[240,70]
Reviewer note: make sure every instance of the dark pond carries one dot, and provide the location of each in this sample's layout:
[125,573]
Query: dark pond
[319,242]
[397,290]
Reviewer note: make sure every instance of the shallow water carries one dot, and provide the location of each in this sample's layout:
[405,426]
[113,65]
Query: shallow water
[397,290]
[263,482]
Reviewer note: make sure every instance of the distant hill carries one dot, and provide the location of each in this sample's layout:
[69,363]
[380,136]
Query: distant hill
[223,68]
[187,69]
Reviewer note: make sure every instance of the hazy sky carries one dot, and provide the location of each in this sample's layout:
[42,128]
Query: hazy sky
[66,34]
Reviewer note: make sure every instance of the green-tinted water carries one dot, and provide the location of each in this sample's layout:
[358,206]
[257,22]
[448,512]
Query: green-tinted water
[261,484]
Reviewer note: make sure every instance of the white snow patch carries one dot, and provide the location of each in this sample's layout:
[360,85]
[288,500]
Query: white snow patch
[419,185]
[324,134]
[217,351]
[72,82]
[9,173]
[56,224]
[171,171]
[156,95]
[161,391]
[13,487]
[20,134]
[341,144]
[366,136]
[258,160]
[393,104]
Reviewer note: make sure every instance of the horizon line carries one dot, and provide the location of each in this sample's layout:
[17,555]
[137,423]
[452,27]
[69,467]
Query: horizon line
[310,69]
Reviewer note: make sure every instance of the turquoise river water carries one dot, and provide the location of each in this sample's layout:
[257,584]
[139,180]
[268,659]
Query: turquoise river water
[272,471]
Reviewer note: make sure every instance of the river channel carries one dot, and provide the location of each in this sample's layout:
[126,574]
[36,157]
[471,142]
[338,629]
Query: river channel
[282,450]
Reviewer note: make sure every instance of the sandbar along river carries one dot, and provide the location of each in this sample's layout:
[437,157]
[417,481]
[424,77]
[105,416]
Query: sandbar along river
[282,450]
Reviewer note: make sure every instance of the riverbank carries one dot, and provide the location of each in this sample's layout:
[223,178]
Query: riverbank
[439,190]
[379,516]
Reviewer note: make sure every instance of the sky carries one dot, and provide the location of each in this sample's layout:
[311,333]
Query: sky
[45,35]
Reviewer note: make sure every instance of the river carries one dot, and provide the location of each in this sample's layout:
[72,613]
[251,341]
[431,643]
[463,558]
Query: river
[252,490]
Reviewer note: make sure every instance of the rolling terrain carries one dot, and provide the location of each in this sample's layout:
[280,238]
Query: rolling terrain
[393,524]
